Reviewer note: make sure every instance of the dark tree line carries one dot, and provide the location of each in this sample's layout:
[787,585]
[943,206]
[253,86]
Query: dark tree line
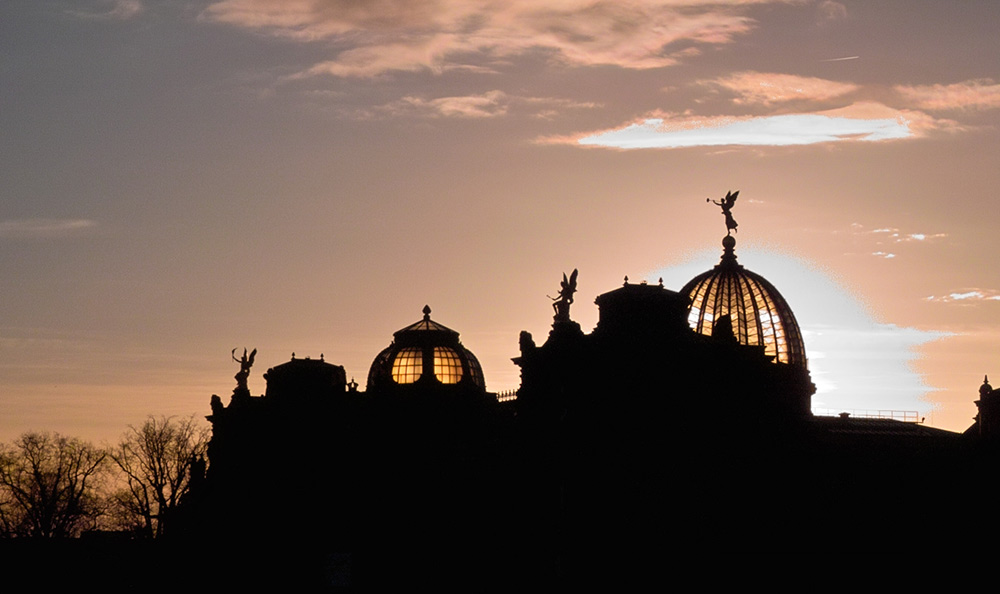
[53,486]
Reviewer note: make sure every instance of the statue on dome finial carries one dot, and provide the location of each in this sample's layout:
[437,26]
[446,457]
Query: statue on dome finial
[245,364]
[565,297]
[727,204]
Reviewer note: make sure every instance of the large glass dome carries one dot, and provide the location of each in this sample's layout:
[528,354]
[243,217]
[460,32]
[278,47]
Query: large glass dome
[756,311]
[423,353]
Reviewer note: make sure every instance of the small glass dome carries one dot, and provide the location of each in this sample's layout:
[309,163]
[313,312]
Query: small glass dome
[729,296]
[424,353]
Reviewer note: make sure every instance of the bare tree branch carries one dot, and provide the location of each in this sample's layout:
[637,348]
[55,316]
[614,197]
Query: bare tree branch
[47,485]
[156,460]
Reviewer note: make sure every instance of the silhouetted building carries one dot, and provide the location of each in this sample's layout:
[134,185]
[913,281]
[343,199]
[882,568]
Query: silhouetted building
[682,419]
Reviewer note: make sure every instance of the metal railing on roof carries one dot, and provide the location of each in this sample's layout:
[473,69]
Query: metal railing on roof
[906,416]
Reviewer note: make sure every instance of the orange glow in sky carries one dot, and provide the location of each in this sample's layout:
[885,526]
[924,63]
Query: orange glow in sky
[183,178]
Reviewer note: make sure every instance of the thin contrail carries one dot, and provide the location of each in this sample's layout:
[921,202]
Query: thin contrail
[841,59]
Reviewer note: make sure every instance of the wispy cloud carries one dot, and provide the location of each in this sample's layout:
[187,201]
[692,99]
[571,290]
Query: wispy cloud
[864,122]
[883,238]
[769,88]
[32,228]
[967,296]
[111,9]
[896,236]
[856,120]
[550,107]
[828,10]
[372,38]
[484,105]
[968,95]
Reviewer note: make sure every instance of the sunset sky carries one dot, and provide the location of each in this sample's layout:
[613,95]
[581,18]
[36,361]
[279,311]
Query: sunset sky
[183,177]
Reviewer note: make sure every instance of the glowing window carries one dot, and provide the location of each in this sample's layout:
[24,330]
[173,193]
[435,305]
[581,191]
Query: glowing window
[447,365]
[408,366]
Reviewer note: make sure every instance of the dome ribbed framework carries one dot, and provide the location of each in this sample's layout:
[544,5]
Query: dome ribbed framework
[426,351]
[759,314]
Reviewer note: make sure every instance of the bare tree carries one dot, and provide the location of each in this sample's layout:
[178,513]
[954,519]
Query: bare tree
[156,459]
[48,485]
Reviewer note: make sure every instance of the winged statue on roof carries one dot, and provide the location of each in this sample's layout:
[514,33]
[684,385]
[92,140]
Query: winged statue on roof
[565,297]
[246,362]
[727,204]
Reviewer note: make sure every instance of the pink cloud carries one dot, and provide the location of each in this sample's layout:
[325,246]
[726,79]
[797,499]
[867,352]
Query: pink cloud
[484,105]
[971,94]
[311,20]
[380,36]
[487,105]
[422,54]
[769,88]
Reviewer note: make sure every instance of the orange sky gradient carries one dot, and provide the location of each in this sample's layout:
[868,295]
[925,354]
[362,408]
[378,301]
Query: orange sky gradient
[182,178]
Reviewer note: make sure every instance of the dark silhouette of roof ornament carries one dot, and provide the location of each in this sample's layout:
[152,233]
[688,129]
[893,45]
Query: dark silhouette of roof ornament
[565,298]
[244,373]
[987,418]
[758,314]
[727,204]
[427,324]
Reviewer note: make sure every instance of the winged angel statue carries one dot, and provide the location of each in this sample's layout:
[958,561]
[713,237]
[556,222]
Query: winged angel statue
[245,364]
[727,204]
[565,298]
